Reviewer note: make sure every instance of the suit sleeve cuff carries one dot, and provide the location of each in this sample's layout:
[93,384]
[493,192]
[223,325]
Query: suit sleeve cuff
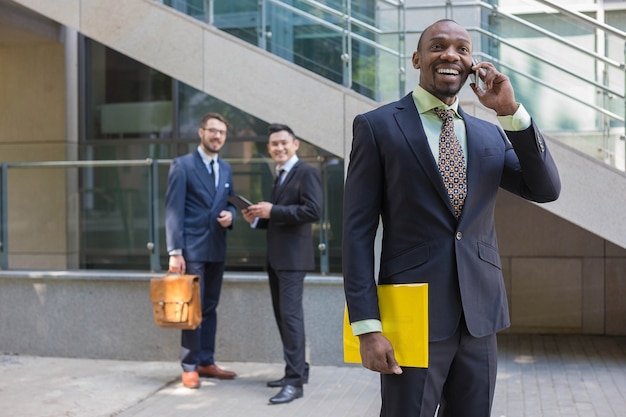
[520,120]
[366,326]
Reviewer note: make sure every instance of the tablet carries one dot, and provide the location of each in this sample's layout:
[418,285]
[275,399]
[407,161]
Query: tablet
[239,201]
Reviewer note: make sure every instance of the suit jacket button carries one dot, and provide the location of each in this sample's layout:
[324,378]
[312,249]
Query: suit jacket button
[458,235]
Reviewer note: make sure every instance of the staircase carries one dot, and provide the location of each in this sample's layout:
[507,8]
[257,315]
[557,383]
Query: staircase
[223,66]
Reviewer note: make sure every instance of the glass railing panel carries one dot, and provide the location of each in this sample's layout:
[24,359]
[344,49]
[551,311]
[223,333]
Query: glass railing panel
[239,18]
[36,218]
[94,217]
[115,204]
[539,83]
[114,213]
[332,42]
[109,213]
[354,44]
[313,42]
[568,70]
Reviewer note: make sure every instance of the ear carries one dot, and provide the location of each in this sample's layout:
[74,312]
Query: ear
[296,144]
[416,60]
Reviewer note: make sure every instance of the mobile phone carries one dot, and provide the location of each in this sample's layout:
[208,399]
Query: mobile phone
[473,75]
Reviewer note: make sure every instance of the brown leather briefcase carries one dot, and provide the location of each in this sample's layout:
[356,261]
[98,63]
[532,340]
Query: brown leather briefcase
[176,301]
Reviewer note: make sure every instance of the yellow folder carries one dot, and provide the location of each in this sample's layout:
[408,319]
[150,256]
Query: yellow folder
[404,317]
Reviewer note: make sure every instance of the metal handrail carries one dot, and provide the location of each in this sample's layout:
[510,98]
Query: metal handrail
[153,244]
[338,29]
[550,35]
[78,164]
[552,64]
[341,21]
[330,10]
[490,7]
[585,18]
[536,80]
[571,97]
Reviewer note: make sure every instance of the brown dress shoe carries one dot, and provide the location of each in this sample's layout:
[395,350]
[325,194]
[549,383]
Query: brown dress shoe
[214,371]
[191,379]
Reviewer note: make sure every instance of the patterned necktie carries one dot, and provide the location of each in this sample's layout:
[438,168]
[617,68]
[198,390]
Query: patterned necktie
[451,161]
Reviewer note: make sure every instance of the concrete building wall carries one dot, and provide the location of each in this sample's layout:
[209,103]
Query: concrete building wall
[109,315]
[32,128]
[559,277]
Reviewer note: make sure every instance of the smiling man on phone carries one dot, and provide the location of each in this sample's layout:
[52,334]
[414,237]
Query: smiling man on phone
[431,172]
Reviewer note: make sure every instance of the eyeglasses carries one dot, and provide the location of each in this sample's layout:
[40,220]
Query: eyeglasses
[215,131]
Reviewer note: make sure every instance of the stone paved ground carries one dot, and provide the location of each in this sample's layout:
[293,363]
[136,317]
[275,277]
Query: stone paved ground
[538,376]
[561,376]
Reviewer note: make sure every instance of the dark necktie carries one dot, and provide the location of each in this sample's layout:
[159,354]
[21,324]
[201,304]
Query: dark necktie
[278,177]
[212,174]
[276,184]
[451,161]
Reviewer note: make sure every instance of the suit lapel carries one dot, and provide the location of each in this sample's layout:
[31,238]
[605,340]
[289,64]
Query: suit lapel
[203,174]
[221,186]
[475,143]
[277,190]
[410,123]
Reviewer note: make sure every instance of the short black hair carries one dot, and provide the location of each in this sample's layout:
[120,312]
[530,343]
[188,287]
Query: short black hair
[278,127]
[419,41]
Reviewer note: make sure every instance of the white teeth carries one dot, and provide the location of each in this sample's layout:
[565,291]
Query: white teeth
[448,71]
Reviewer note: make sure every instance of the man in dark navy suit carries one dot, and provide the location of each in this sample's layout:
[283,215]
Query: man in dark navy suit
[296,203]
[435,234]
[197,215]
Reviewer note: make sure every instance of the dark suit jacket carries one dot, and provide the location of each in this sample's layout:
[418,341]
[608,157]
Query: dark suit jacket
[393,174]
[297,203]
[192,208]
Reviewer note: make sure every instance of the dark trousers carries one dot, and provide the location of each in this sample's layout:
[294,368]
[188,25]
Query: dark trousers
[286,288]
[198,345]
[461,379]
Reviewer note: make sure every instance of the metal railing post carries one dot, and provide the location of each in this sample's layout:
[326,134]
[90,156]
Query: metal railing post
[323,246]
[401,47]
[262,24]
[153,246]
[209,13]
[4,248]
[346,44]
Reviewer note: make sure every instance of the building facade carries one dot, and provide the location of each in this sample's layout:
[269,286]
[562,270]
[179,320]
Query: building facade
[96,84]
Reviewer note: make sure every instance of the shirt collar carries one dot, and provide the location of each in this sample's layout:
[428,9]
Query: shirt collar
[425,102]
[206,158]
[289,164]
